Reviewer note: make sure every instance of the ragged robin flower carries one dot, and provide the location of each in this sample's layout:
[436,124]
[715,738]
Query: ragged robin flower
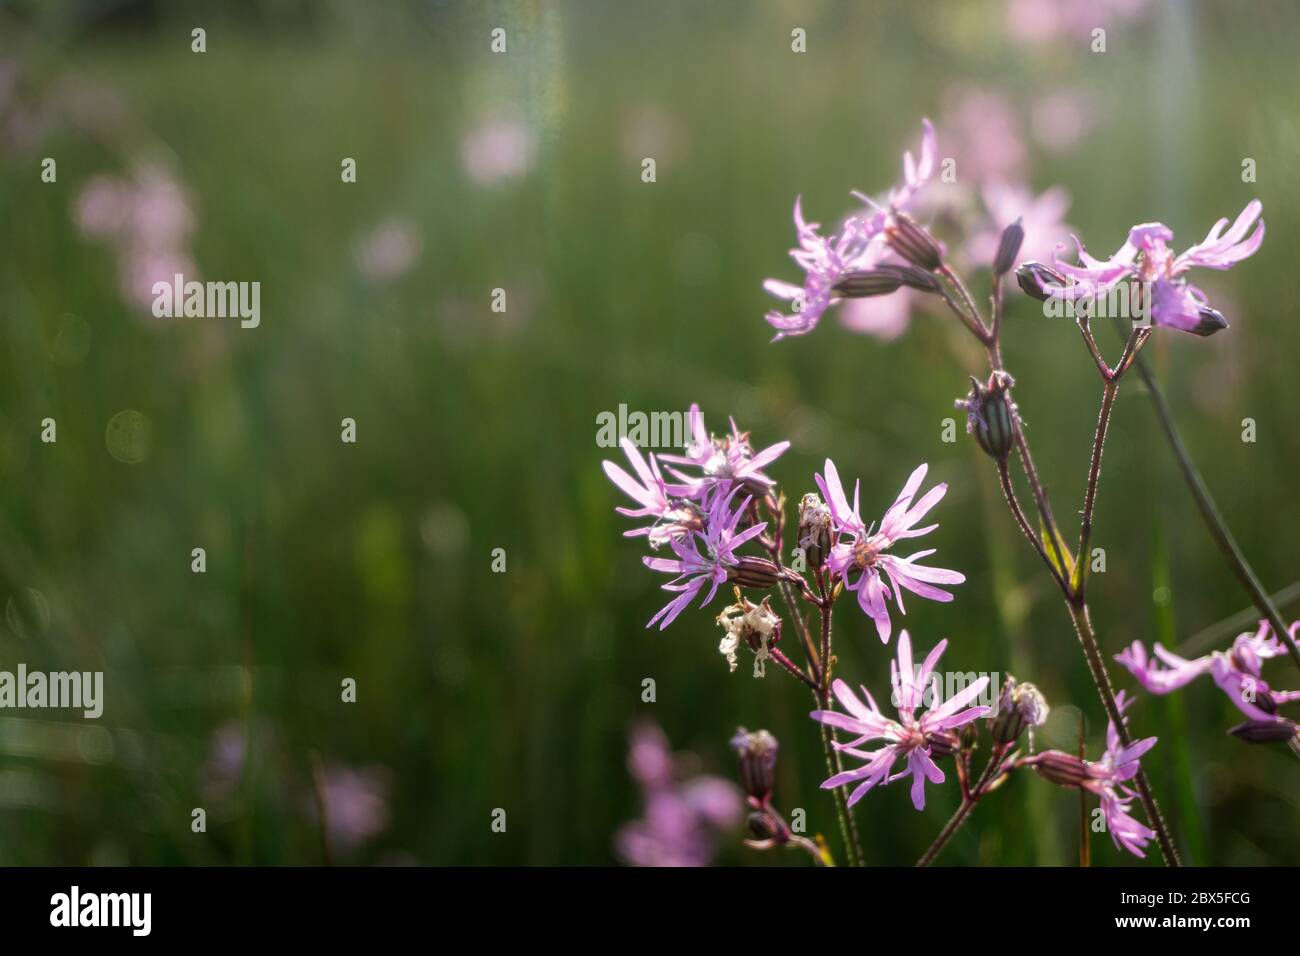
[861,554]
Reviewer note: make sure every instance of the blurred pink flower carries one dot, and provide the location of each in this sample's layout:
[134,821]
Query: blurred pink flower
[140,268]
[100,209]
[885,317]
[498,150]
[683,814]
[356,804]
[148,219]
[1041,217]
[984,133]
[1060,119]
[389,250]
[1042,21]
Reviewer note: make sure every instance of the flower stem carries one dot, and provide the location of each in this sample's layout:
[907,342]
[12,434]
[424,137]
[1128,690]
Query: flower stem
[1074,597]
[967,805]
[1088,638]
[1109,391]
[1213,519]
[779,656]
[834,763]
[1009,492]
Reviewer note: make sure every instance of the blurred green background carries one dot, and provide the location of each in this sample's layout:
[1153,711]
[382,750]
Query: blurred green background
[476,429]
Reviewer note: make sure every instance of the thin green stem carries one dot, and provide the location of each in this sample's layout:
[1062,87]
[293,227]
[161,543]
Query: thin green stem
[834,763]
[967,805]
[1092,652]
[1213,518]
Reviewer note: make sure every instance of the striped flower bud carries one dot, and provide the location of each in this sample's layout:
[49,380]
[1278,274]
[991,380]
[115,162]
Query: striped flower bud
[752,572]
[1280,730]
[1060,768]
[865,283]
[757,753]
[1210,321]
[1035,279]
[913,242]
[943,743]
[1008,248]
[990,414]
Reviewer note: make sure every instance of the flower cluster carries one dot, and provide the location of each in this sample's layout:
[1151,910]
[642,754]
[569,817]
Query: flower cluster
[699,514]
[715,502]
[706,515]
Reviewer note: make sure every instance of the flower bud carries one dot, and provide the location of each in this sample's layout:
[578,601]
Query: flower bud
[762,828]
[1063,769]
[1035,279]
[1264,701]
[1280,730]
[943,743]
[752,572]
[970,736]
[1008,248]
[757,752]
[914,278]
[868,282]
[990,414]
[1211,321]
[814,531]
[1019,706]
[913,242]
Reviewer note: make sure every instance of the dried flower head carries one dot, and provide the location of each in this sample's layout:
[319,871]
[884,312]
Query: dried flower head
[814,530]
[756,626]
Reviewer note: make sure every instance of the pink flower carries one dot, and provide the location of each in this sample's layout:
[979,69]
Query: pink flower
[1236,671]
[675,516]
[682,816]
[859,554]
[694,569]
[1107,777]
[497,151]
[356,804]
[389,250]
[725,461]
[987,130]
[859,245]
[148,219]
[1146,257]
[1059,120]
[1041,21]
[910,737]
[884,317]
